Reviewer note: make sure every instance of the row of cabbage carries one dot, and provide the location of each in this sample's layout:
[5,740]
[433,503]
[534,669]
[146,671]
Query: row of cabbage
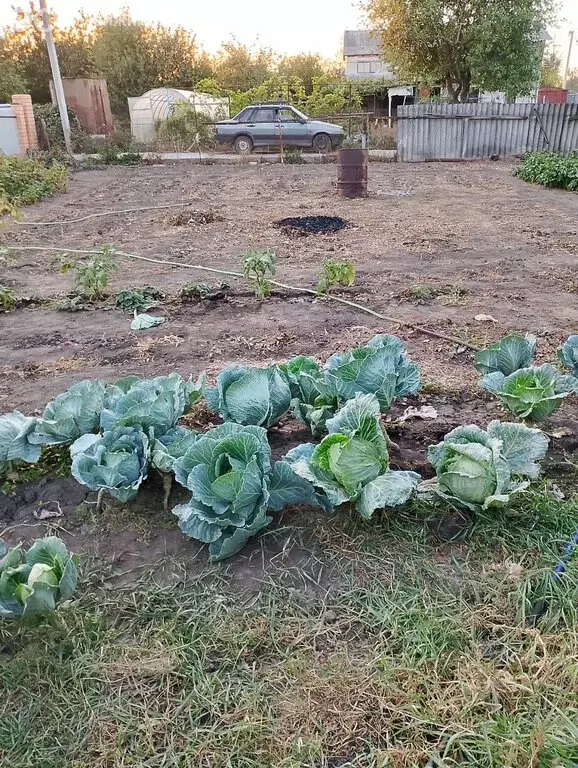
[119,432]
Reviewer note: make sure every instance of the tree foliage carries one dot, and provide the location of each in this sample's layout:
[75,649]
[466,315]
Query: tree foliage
[550,75]
[238,68]
[493,45]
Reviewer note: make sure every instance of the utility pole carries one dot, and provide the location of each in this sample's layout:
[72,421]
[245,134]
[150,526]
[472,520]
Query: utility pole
[568,57]
[57,80]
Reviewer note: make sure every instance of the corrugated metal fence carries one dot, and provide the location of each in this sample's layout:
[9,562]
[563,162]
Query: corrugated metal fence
[473,131]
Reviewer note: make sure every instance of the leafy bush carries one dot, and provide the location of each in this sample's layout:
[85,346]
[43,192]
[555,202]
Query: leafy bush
[531,393]
[334,273]
[112,156]
[381,368]
[154,405]
[49,128]
[550,169]
[477,469]
[139,299]
[15,443]
[245,395]
[257,265]
[186,129]
[32,583]
[91,275]
[72,414]
[568,354]
[508,355]
[25,180]
[233,485]
[116,461]
[352,462]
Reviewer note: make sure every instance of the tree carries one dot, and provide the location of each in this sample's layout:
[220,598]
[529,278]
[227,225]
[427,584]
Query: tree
[238,68]
[23,45]
[492,45]
[134,57]
[550,74]
[11,80]
[305,66]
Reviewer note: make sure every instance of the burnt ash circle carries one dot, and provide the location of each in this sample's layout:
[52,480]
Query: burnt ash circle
[310,225]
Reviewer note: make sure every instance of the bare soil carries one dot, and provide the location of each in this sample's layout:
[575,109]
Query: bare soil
[484,242]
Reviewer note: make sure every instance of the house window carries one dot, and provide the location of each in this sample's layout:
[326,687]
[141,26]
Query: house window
[363,67]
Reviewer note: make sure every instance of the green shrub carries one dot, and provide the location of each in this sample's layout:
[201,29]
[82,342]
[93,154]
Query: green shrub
[49,128]
[550,169]
[25,180]
[7,299]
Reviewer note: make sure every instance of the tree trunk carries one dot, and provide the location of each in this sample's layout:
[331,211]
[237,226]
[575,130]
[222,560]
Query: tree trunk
[458,88]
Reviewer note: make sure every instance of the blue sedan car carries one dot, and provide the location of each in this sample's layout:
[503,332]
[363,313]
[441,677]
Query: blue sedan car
[266,125]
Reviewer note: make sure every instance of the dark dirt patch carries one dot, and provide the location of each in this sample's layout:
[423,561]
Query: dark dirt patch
[311,225]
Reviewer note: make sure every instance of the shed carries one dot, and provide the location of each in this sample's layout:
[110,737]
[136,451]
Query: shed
[160,103]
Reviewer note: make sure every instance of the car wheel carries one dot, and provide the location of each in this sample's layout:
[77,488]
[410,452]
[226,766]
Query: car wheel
[321,143]
[243,145]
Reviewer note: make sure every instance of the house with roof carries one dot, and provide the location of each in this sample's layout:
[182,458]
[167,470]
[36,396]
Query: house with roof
[363,58]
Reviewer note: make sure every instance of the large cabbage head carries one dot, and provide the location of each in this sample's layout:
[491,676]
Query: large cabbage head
[116,461]
[155,405]
[352,462]
[477,469]
[233,485]
[311,400]
[381,368]
[33,583]
[507,355]
[15,440]
[531,393]
[250,396]
[74,413]
[568,354]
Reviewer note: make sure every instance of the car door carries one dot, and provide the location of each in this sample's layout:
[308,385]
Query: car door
[290,128]
[262,126]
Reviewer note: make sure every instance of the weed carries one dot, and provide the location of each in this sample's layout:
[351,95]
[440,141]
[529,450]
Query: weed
[421,292]
[54,461]
[196,292]
[334,273]
[7,299]
[183,218]
[456,295]
[550,169]
[256,266]
[112,156]
[25,180]
[91,276]
[70,304]
[293,157]
[139,299]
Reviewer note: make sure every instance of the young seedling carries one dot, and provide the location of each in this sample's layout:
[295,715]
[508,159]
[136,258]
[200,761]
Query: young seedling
[335,273]
[91,276]
[257,265]
[140,299]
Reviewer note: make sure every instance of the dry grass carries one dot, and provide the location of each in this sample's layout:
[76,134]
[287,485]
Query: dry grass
[144,348]
[410,651]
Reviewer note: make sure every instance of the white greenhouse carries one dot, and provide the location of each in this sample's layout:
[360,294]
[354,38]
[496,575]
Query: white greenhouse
[160,103]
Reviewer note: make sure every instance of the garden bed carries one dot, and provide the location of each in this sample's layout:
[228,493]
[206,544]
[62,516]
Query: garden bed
[403,644]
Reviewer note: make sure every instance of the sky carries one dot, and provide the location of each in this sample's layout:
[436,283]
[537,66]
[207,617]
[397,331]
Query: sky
[300,26]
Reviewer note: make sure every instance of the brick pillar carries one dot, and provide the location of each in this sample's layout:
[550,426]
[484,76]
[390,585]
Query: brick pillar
[25,101]
[18,110]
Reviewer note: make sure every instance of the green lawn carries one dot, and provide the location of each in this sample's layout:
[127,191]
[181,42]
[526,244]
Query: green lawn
[389,649]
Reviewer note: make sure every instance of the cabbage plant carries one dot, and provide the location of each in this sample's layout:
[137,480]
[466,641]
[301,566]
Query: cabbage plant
[32,583]
[233,486]
[508,355]
[72,414]
[311,400]
[568,354]
[15,443]
[155,405]
[116,461]
[351,464]
[381,368]
[477,468]
[250,396]
[170,447]
[531,393]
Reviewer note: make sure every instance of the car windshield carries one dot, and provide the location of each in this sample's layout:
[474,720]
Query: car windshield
[300,114]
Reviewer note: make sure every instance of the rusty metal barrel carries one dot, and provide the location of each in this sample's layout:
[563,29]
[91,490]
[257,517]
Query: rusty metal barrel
[352,172]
